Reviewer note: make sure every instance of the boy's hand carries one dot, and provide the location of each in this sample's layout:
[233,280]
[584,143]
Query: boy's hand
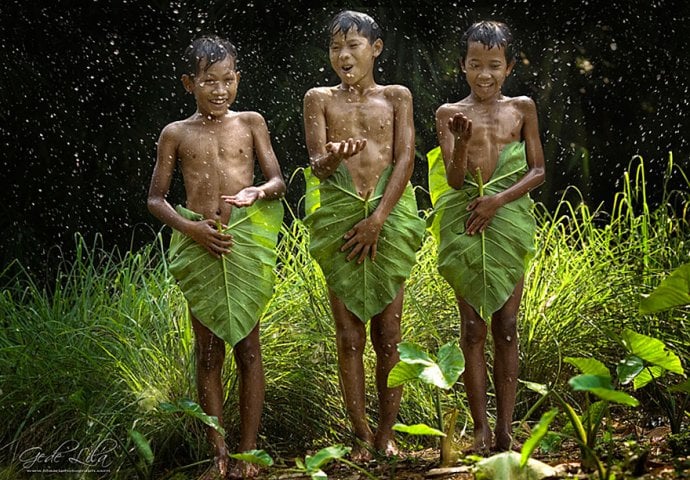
[206,234]
[346,148]
[245,197]
[483,211]
[460,126]
[362,238]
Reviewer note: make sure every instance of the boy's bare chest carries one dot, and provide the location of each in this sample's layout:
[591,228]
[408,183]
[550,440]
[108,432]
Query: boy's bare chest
[363,119]
[221,142]
[496,125]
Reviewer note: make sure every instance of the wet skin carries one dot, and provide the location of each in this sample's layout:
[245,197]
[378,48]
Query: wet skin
[367,127]
[216,149]
[472,133]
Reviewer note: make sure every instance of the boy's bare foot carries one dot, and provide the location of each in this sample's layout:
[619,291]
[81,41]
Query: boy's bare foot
[387,448]
[217,471]
[504,442]
[482,442]
[361,452]
[243,470]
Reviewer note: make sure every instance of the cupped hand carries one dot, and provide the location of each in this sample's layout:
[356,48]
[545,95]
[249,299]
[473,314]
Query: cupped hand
[245,197]
[346,148]
[460,126]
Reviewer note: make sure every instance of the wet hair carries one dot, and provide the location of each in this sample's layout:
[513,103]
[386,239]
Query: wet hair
[361,22]
[490,34]
[211,48]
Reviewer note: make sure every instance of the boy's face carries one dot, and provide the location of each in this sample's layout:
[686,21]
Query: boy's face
[486,69]
[352,56]
[214,88]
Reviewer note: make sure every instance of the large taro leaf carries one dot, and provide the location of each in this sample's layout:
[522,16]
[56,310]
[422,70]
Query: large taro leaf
[332,208]
[230,294]
[482,268]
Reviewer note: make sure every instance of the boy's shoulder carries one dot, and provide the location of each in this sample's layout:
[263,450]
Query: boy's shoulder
[397,92]
[519,100]
[178,127]
[454,107]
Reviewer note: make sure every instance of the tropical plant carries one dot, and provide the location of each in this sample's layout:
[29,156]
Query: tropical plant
[443,372]
[585,428]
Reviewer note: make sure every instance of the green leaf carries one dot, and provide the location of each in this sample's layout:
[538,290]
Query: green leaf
[586,382]
[417,364]
[318,475]
[143,446]
[540,388]
[673,291]
[324,456]
[629,368]
[414,354]
[681,387]
[418,429]
[257,457]
[230,294]
[451,361]
[192,409]
[647,374]
[537,435]
[614,396]
[652,350]
[333,208]
[403,373]
[484,268]
[589,366]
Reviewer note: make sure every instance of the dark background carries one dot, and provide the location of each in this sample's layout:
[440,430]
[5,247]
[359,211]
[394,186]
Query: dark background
[86,87]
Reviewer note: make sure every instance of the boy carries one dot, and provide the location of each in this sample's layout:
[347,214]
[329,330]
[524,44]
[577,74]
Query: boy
[486,227]
[215,148]
[365,231]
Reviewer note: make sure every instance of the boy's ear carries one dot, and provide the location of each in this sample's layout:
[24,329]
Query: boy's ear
[378,47]
[510,67]
[188,82]
[462,65]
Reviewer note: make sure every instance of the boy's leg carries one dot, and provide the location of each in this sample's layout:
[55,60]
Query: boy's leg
[251,392]
[350,334]
[473,332]
[504,331]
[385,336]
[210,355]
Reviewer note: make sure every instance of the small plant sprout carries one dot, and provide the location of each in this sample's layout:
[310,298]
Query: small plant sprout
[417,365]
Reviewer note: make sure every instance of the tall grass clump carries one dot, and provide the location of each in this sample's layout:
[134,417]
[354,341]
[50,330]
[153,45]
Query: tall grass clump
[88,359]
[591,268]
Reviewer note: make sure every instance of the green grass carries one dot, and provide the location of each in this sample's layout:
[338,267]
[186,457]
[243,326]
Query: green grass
[91,356]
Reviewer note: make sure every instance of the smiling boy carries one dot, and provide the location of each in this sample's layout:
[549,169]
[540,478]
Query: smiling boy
[493,157]
[365,231]
[216,149]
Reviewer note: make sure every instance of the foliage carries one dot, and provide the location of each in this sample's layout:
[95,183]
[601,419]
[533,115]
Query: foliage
[417,365]
[333,207]
[108,339]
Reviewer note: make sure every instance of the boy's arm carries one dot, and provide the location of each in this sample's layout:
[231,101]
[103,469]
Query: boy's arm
[363,237]
[203,232]
[484,208]
[324,156]
[274,187]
